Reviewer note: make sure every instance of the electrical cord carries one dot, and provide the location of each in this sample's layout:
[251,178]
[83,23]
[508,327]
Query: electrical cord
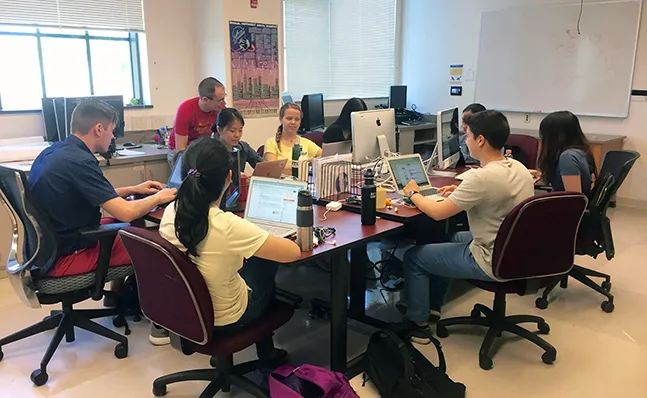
[323,217]
[579,18]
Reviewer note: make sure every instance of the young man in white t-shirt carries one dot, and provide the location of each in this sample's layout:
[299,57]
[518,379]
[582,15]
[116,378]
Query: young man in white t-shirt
[487,195]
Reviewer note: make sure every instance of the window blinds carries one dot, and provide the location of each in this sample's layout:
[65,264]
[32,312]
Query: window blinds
[90,14]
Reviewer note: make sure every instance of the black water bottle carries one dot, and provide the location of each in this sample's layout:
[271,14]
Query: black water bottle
[369,192]
[305,220]
[296,154]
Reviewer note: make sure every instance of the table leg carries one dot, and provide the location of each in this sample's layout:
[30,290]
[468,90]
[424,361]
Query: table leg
[339,281]
[358,261]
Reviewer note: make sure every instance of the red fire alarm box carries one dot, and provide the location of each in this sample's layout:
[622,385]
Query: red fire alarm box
[253,3]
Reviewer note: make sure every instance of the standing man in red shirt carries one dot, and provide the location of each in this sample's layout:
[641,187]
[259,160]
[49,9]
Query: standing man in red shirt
[195,116]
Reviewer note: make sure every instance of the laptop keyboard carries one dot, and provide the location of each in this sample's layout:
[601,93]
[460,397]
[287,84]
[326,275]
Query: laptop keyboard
[429,192]
[277,231]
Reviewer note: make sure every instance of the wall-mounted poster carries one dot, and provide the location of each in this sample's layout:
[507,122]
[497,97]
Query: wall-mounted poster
[255,68]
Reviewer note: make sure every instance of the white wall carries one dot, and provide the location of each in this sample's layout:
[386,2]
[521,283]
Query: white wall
[443,32]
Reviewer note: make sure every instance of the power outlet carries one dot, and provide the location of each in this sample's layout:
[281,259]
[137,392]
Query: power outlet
[527,118]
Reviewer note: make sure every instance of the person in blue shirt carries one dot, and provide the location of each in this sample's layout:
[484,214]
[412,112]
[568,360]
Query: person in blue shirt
[67,184]
[565,159]
[469,110]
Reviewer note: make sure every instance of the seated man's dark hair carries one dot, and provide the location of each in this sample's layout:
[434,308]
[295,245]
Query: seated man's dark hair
[492,125]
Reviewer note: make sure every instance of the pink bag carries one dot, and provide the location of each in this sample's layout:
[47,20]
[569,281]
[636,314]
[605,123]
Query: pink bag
[308,381]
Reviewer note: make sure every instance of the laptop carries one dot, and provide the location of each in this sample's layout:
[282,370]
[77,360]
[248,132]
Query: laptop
[271,169]
[272,204]
[409,167]
[336,148]
[175,179]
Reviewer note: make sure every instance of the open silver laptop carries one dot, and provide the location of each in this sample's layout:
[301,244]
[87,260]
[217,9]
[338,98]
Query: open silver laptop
[272,204]
[336,148]
[409,167]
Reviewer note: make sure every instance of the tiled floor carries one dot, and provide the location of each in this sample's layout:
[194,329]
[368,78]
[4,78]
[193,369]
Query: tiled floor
[599,354]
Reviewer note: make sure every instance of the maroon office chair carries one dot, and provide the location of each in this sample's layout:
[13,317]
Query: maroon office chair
[315,136]
[534,247]
[261,150]
[528,145]
[174,295]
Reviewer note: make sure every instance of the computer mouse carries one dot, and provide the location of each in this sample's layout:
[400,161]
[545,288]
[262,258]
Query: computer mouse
[129,143]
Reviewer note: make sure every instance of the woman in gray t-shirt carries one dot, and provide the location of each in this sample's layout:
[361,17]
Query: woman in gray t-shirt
[565,160]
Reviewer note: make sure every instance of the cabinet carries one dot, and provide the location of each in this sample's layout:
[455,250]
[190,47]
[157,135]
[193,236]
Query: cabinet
[136,173]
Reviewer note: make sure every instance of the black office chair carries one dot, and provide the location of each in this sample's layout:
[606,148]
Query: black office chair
[34,246]
[594,236]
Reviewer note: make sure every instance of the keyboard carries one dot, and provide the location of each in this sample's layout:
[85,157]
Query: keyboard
[277,231]
[429,192]
[413,122]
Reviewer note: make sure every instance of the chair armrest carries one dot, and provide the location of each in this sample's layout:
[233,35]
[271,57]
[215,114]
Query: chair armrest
[101,231]
[106,234]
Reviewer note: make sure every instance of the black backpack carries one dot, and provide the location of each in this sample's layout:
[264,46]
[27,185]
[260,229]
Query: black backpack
[398,370]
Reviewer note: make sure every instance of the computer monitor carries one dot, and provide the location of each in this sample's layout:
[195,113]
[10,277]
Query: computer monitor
[373,134]
[398,98]
[57,115]
[447,141]
[286,97]
[313,112]
[54,119]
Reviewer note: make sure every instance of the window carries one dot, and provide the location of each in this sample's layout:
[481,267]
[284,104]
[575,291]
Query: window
[342,48]
[69,48]
[51,62]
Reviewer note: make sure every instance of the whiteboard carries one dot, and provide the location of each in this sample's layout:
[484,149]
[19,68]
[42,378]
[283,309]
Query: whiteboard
[532,59]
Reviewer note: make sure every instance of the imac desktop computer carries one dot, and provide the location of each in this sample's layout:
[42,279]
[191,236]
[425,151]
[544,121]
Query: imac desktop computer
[447,149]
[312,106]
[373,134]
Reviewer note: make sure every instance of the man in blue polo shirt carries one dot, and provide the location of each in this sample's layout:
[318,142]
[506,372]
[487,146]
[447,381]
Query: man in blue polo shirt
[68,185]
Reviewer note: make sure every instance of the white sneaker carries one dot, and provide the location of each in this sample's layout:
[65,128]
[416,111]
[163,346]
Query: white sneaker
[159,336]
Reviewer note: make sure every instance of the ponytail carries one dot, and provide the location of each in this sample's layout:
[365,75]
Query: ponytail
[205,166]
[191,214]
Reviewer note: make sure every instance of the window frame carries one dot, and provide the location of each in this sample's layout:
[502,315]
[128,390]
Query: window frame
[135,61]
[397,65]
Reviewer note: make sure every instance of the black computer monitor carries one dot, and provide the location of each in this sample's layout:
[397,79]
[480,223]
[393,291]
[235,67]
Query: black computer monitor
[57,115]
[398,97]
[53,111]
[313,112]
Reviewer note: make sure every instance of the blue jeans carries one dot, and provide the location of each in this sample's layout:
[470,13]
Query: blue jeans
[259,274]
[428,273]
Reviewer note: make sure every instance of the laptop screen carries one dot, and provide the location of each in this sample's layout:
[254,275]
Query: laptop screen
[175,180]
[408,168]
[273,201]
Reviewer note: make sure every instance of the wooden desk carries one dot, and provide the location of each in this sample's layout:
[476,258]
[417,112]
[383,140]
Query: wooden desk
[404,214]
[350,234]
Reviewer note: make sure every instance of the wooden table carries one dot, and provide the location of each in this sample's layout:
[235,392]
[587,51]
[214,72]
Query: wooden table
[350,234]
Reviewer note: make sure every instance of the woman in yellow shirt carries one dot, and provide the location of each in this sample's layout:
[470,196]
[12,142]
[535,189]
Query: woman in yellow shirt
[280,147]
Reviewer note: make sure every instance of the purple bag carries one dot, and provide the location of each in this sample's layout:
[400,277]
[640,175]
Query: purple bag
[308,381]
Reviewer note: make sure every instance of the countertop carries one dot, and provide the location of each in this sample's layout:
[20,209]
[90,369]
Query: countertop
[147,153]
[593,138]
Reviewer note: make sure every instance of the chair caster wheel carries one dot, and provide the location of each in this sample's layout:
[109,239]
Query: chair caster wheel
[541,303]
[606,285]
[607,306]
[159,391]
[121,351]
[38,377]
[549,357]
[485,363]
[118,322]
[475,313]
[543,328]
[137,318]
[441,331]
